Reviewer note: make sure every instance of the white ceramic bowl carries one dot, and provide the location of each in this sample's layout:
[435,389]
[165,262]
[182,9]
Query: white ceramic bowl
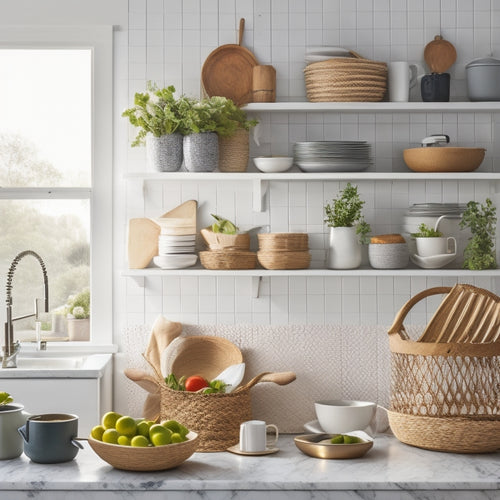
[342,415]
[273,164]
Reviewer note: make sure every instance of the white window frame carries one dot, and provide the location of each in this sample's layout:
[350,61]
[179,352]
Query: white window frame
[99,39]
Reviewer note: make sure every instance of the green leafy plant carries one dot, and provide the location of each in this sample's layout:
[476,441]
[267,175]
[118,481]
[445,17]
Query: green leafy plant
[216,114]
[424,231]
[158,112]
[346,211]
[5,398]
[223,225]
[78,305]
[480,250]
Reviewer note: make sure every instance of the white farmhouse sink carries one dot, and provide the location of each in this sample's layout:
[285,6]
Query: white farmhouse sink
[80,384]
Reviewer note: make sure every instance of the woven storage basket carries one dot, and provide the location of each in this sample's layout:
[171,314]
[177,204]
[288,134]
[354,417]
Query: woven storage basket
[234,152]
[297,242]
[228,259]
[215,417]
[284,259]
[346,79]
[450,377]
[221,241]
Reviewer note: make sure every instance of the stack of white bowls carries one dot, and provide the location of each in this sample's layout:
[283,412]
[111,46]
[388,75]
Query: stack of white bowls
[177,239]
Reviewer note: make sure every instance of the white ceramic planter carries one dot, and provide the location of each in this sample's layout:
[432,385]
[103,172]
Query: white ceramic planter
[344,249]
[79,329]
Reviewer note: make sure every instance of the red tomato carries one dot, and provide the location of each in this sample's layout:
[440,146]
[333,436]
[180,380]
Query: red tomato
[195,383]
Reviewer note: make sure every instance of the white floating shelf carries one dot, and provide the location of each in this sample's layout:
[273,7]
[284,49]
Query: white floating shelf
[375,107]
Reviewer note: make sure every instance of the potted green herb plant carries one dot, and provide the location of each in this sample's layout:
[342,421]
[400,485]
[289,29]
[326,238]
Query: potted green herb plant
[348,229]
[12,416]
[431,242]
[159,116]
[480,250]
[78,308]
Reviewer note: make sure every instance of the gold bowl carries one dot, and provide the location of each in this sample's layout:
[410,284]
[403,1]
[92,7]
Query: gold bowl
[318,446]
[151,458]
[443,159]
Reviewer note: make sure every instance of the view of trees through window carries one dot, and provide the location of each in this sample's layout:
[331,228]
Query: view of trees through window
[45,147]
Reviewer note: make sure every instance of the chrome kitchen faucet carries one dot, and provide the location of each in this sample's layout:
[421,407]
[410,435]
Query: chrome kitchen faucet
[11,349]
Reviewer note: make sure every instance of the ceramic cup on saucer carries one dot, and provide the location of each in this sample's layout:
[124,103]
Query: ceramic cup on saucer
[428,247]
[254,438]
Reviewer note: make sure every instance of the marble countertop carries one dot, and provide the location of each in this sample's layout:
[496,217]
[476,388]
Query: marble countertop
[389,466]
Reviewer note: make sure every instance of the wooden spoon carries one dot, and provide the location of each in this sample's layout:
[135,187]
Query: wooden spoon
[439,54]
[280,378]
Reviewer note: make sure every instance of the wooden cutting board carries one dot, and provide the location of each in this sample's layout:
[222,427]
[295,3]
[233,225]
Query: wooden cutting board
[142,242]
[228,71]
[439,54]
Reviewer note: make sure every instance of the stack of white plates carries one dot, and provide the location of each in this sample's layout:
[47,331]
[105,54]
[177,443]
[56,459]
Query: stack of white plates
[316,54]
[176,251]
[332,156]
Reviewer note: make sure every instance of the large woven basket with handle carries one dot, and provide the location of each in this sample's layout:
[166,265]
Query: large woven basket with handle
[450,377]
[215,417]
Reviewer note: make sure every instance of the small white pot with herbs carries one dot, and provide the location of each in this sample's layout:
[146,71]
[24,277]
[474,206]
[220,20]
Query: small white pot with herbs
[12,416]
[159,115]
[431,242]
[348,229]
[79,316]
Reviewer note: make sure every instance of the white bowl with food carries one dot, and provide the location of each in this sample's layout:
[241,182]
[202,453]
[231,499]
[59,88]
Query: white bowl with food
[273,164]
[344,415]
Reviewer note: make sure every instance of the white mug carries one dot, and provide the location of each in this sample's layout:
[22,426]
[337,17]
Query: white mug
[253,436]
[402,77]
[427,247]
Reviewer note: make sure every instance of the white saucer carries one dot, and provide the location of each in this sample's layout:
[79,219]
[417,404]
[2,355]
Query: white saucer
[314,427]
[267,451]
[433,262]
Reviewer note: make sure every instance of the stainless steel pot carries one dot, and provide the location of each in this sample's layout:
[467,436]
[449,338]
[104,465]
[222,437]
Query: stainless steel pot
[483,79]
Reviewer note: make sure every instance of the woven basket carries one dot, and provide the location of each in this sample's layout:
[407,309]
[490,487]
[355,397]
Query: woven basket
[228,259]
[216,417]
[204,355]
[445,382]
[284,260]
[221,241]
[346,79]
[234,152]
[297,242]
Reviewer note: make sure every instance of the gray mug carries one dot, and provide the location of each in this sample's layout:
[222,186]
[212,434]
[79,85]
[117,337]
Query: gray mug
[51,438]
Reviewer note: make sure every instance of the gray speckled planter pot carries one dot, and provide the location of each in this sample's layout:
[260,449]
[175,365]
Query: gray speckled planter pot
[388,255]
[164,153]
[201,152]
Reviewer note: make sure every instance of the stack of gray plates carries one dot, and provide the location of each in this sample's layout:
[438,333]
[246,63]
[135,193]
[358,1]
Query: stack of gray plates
[332,156]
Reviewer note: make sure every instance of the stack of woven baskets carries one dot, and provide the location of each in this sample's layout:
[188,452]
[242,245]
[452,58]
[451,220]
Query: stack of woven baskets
[445,387]
[346,79]
[283,250]
[227,251]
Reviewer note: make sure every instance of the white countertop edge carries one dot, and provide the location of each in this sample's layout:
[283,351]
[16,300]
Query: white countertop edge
[390,465]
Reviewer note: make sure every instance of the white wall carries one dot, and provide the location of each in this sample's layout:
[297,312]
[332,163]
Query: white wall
[168,42]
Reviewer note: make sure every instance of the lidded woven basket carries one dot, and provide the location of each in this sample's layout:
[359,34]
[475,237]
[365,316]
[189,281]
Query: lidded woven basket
[346,79]
[445,387]
[284,250]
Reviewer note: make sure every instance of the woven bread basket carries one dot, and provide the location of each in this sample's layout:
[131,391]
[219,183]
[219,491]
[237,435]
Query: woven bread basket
[346,79]
[204,355]
[234,152]
[296,242]
[284,259]
[215,417]
[228,259]
[450,377]
[221,241]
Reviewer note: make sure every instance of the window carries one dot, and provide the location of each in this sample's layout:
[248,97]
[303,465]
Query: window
[56,169]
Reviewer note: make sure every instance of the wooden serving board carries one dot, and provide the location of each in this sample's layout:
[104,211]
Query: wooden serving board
[142,242]
[228,72]
[439,55]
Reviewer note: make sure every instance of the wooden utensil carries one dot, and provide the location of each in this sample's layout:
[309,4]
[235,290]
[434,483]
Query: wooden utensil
[264,83]
[280,378]
[439,54]
[228,71]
